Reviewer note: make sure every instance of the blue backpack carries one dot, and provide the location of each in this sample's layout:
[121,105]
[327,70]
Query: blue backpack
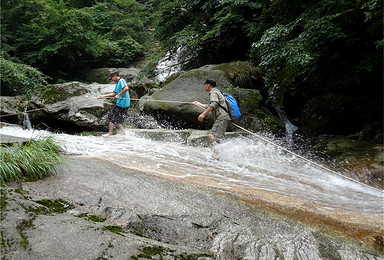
[233,108]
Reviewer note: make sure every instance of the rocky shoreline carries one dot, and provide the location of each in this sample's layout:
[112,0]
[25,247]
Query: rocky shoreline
[109,212]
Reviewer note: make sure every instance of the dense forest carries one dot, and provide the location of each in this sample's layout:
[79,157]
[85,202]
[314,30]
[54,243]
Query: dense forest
[302,47]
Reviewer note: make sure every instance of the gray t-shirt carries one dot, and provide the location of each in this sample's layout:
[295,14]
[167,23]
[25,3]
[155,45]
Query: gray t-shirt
[217,101]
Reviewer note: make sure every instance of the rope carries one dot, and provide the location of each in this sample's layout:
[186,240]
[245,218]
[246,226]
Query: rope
[153,100]
[305,159]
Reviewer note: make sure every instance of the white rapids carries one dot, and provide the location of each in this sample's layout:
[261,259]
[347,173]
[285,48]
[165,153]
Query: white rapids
[246,167]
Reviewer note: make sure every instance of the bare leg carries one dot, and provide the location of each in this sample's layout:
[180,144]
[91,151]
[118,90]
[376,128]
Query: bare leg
[110,132]
[121,128]
[214,143]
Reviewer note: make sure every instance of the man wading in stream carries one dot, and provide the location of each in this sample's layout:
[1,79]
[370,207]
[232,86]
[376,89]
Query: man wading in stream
[121,95]
[216,106]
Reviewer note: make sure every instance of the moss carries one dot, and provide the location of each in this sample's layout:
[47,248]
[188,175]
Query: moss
[95,218]
[241,73]
[55,93]
[38,210]
[250,103]
[57,205]
[114,229]
[24,241]
[155,250]
[327,248]
[195,73]
[21,227]
[171,78]
[344,147]
[379,244]
[3,200]
[158,252]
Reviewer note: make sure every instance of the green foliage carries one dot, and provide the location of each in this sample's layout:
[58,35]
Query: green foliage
[62,36]
[325,48]
[208,31]
[19,79]
[57,205]
[34,159]
[243,74]
[114,229]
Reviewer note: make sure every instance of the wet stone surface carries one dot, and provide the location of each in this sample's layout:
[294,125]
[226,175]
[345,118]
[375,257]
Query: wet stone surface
[110,212]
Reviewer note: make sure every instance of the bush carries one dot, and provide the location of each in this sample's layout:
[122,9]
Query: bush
[19,79]
[34,159]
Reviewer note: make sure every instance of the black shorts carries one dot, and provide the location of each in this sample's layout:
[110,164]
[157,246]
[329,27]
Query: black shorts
[118,115]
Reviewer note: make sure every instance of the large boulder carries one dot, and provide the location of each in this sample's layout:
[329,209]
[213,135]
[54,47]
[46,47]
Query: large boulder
[70,106]
[178,92]
[174,99]
[11,109]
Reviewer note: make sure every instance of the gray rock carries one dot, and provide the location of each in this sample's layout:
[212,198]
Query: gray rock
[150,214]
[100,75]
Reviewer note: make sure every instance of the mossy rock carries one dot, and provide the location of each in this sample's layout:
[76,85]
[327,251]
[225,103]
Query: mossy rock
[344,147]
[242,74]
[59,92]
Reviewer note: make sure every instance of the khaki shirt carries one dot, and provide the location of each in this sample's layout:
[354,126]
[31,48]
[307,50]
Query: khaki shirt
[216,98]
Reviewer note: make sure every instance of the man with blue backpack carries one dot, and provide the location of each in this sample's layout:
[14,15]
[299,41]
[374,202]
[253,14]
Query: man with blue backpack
[217,105]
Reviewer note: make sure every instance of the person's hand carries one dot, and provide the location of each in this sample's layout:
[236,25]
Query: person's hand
[117,97]
[201,117]
[100,97]
[195,103]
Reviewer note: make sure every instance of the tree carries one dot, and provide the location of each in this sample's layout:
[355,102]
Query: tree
[19,79]
[57,37]
[209,31]
[331,46]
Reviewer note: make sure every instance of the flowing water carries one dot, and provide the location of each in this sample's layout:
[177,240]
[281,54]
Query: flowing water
[248,168]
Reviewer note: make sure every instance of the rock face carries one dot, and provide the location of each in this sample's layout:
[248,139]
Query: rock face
[186,87]
[106,212]
[72,105]
[100,75]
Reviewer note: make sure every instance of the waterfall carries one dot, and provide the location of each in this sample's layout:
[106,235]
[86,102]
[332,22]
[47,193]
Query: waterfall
[289,127]
[26,123]
[168,65]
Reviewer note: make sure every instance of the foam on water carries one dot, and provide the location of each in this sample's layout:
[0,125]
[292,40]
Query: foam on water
[245,165]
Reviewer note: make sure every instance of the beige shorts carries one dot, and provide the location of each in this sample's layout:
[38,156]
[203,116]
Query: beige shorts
[219,128]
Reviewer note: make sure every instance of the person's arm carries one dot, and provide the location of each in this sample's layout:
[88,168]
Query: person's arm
[202,115]
[197,103]
[125,89]
[107,95]
[207,109]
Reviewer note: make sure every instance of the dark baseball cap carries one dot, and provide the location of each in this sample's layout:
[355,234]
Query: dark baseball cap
[210,82]
[113,74]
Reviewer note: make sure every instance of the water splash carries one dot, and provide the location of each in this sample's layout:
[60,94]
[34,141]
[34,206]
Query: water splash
[248,167]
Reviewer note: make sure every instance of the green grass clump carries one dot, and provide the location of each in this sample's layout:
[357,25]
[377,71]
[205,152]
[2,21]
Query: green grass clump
[31,160]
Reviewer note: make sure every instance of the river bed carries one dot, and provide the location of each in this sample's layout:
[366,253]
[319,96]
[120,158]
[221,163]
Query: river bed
[250,169]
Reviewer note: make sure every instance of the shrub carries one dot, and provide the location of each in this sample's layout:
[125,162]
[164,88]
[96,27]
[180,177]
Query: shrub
[19,79]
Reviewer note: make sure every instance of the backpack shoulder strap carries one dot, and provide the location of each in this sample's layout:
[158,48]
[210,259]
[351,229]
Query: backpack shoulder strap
[225,108]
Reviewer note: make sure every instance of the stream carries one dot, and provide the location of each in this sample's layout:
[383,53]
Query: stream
[248,168]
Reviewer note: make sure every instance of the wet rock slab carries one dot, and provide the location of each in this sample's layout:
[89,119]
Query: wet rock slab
[149,217]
